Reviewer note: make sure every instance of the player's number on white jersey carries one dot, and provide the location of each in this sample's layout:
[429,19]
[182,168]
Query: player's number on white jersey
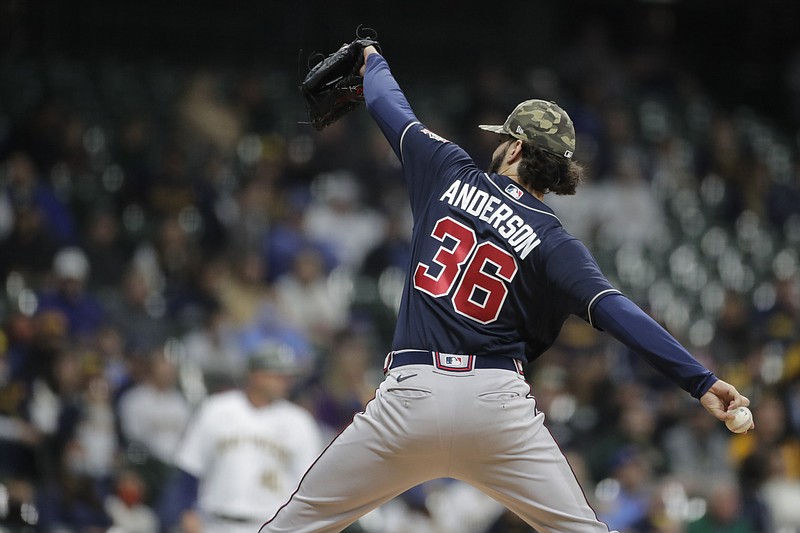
[481,291]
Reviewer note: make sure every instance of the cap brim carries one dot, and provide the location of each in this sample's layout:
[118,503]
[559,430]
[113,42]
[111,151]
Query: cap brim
[493,129]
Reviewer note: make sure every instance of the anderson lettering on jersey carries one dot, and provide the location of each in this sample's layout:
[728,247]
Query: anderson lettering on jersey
[492,210]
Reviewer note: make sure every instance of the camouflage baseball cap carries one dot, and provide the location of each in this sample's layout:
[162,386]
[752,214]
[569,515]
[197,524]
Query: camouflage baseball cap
[542,123]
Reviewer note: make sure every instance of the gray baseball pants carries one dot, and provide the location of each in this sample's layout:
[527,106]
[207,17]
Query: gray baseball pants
[481,427]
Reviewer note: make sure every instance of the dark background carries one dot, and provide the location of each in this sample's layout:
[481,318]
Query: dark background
[738,49]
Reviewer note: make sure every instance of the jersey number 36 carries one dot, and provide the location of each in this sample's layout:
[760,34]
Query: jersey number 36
[480,293]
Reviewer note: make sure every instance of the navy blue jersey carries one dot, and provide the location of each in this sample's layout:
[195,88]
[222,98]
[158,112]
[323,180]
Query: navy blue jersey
[492,271]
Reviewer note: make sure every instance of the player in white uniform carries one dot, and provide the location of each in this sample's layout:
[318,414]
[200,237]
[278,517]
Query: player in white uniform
[245,450]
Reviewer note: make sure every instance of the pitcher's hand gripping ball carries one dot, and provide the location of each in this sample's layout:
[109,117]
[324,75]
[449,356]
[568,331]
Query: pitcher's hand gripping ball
[333,87]
[741,421]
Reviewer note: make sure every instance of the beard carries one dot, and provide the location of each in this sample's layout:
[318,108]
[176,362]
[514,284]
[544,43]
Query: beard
[494,167]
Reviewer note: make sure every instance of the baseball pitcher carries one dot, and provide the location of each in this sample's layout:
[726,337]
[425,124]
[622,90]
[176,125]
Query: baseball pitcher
[493,277]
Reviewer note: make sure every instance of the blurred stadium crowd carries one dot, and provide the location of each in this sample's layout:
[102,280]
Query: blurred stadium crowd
[157,221]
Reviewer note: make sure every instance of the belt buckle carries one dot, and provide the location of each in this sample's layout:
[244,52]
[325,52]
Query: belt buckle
[453,362]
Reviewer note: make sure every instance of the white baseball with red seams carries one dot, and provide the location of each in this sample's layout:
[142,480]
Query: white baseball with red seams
[741,420]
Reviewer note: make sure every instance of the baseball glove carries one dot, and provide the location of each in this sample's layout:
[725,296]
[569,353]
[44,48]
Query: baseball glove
[333,87]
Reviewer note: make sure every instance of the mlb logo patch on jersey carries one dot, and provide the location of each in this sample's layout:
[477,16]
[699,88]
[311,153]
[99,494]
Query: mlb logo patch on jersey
[454,362]
[513,191]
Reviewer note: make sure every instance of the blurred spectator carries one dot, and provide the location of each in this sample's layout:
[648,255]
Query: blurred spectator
[287,238]
[734,337]
[217,210]
[170,261]
[342,383]
[55,386]
[783,199]
[665,512]
[751,475]
[624,499]
[110,350]
[75,504]
[27,189]
[241,288]
[783,202]
[126,507]
[555,399]
[172,189]
[781,493]
[253,99]
[696,450]
[78,449]
[634,430]
[769,460]
[337,216]
[198,298]
[74,158]
[136,312]
[106,252]
[70,295]
[724,512]
[93,448]
[256,205]
[771,435]
[332,151]
[728,158]
[581,346]
[152,417]
[246,449]
[212,346]
[308,301]
[30,247]
[393,251]
[781,322]
[271,325]
[204,112]
[133,149]
[18,436]
[620,205]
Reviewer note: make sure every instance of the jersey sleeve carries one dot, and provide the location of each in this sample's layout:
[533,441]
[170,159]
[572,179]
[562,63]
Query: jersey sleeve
[574,276]
[626,322]
[386,102]
[426,157]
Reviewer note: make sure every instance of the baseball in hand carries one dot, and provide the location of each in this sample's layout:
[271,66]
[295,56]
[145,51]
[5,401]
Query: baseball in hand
[740,421]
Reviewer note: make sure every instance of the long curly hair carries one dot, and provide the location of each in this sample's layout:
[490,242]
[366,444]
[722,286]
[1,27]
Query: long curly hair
[548,172]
